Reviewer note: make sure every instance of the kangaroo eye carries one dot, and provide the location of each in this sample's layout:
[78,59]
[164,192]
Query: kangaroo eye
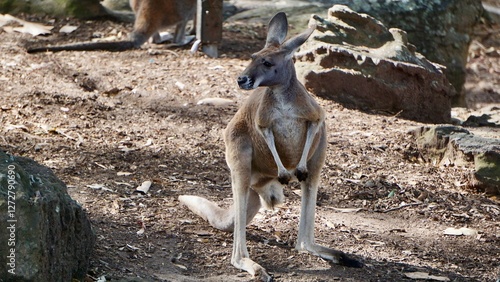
[267,63]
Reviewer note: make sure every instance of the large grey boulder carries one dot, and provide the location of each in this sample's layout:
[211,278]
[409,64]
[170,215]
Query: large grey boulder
[355,60]
[440,29]
[447,145]
[46,236]
[76,8]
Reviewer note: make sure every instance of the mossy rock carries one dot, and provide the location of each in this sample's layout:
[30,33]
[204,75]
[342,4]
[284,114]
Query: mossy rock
[49,236]
[453,145]
[487,166]
[83,9]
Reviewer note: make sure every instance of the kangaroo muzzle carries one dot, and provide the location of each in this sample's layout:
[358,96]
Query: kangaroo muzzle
[245,82]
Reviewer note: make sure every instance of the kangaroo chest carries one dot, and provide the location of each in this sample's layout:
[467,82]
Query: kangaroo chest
[289,131]
[288,127]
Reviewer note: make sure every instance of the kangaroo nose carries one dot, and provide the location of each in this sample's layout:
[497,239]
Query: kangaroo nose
[242,80]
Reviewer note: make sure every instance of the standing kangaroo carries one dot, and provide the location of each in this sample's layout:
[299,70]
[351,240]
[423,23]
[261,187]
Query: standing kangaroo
[150,17]
[276,136]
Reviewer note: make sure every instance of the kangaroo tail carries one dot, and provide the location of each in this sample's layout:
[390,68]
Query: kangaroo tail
[88,46]
[217,217]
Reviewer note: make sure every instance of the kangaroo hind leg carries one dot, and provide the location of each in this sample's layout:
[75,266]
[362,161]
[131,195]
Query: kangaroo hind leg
[309,189]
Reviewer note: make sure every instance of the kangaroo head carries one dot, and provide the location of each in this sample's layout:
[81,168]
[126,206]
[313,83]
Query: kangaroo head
[273,65]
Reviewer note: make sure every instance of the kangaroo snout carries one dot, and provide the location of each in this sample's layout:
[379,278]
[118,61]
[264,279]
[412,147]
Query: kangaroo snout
[245,82]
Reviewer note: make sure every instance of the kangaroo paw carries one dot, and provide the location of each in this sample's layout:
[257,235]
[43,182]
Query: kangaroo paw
[284,178]
[254,269]
[349,262]
[334,256]
[301,174]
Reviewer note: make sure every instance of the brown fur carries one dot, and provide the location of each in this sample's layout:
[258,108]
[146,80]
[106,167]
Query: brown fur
[150,17]
[276,136]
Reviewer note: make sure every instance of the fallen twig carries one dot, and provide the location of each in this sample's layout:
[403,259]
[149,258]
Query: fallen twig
[401,207]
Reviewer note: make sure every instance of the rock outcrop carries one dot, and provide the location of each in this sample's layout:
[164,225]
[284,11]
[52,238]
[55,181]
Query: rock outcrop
[355,60]
[46,236]
[452,145]
[441,30]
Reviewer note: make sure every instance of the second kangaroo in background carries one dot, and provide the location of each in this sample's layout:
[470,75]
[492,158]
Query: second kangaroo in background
[150,17]
[277,135]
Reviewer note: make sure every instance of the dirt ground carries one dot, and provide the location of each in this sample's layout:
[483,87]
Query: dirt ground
[107,122]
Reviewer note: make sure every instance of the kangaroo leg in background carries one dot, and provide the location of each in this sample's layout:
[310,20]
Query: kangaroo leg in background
[150,17]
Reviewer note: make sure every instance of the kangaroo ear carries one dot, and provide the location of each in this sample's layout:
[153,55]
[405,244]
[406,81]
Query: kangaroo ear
[293,43]
[277,30]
